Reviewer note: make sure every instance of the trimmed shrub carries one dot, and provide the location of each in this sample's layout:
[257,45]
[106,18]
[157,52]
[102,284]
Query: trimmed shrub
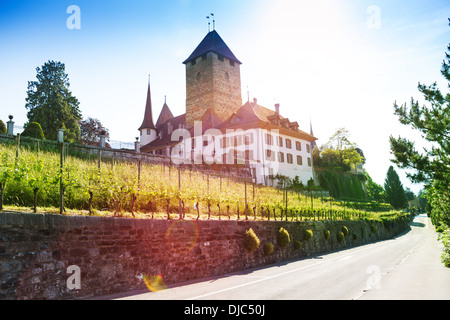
[268,248]
[373,228]
[326,234]
[298,245]
[345,231]
[283,238]
[33,130]
[308,234]
[340,236]
[251,240]
[354,236]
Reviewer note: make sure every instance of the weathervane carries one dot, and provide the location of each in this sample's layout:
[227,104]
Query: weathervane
[209,23]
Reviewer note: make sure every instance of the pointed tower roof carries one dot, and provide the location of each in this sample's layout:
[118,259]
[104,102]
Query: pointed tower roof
[212,42]
[148,118]
[313,144]
[164,116]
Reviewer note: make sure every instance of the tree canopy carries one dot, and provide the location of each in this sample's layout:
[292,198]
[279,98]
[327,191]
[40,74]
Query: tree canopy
[432,164]
[51,104]
[394,191]
[91,130]
[338,153]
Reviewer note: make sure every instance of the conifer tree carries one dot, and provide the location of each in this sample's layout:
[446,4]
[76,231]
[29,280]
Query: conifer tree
[395,194]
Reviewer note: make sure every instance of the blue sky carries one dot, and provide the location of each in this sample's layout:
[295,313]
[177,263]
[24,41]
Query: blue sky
[337,63]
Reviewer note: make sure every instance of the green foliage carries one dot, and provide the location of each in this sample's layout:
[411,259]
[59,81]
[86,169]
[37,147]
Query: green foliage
[251,240]
[283,238]
[373,228]
[445,238]
[345,231]
[51,103]
[338,152]
[268,248]
[308,234]
[33,130]
[395,194]
[342,185]
[431,165]
[340,236]
[374,190]
[2,127]
[298,245]
[326,234]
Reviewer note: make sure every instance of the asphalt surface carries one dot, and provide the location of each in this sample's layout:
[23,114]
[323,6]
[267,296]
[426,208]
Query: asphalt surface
[407,267]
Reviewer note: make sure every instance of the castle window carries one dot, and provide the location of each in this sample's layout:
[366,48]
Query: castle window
[280,157]
[198,76]
[298,146]
[270,155]
[221,57]
[309,162]
[227,76]
[269,140]
[280,141]
[193,62]
[204,57]
[299,160]
[232,63]
[288,143]
[289,158]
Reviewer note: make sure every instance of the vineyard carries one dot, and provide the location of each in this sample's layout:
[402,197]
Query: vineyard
[41,180]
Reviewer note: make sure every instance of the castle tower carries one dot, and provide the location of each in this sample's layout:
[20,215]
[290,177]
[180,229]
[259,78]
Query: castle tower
[213,80]
[148,129]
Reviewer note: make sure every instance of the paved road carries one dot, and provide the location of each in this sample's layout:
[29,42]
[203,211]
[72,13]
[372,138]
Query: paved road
[406,267]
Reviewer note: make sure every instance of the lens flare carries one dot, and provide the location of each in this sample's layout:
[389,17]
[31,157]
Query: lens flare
[154,283]
[181,236]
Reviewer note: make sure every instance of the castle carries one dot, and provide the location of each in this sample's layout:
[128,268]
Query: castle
[218,130]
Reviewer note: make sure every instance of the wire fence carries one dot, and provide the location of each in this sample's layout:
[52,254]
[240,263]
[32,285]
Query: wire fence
[47,173]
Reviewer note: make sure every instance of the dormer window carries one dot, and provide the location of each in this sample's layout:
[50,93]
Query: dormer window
[221,57]
[193,62]
[204,57]
[232,63]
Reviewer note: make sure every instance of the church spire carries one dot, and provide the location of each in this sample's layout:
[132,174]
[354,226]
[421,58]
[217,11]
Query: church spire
[148,118]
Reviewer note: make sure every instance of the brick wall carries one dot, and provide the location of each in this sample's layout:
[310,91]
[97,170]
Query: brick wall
[113,254]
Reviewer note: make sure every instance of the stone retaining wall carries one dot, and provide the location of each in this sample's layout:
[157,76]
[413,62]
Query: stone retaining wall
[38,251]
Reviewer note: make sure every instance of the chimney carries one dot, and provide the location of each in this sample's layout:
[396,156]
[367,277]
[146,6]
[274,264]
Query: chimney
[277,108]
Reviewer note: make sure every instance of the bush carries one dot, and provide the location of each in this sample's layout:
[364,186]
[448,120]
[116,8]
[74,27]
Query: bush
[326,234]
[298,245]
[2,127]
[268,248]
[33,130]
[251,240]
[345,231]
[373,229]
[354,236]
[340,236]
[283,238]
[308,234]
